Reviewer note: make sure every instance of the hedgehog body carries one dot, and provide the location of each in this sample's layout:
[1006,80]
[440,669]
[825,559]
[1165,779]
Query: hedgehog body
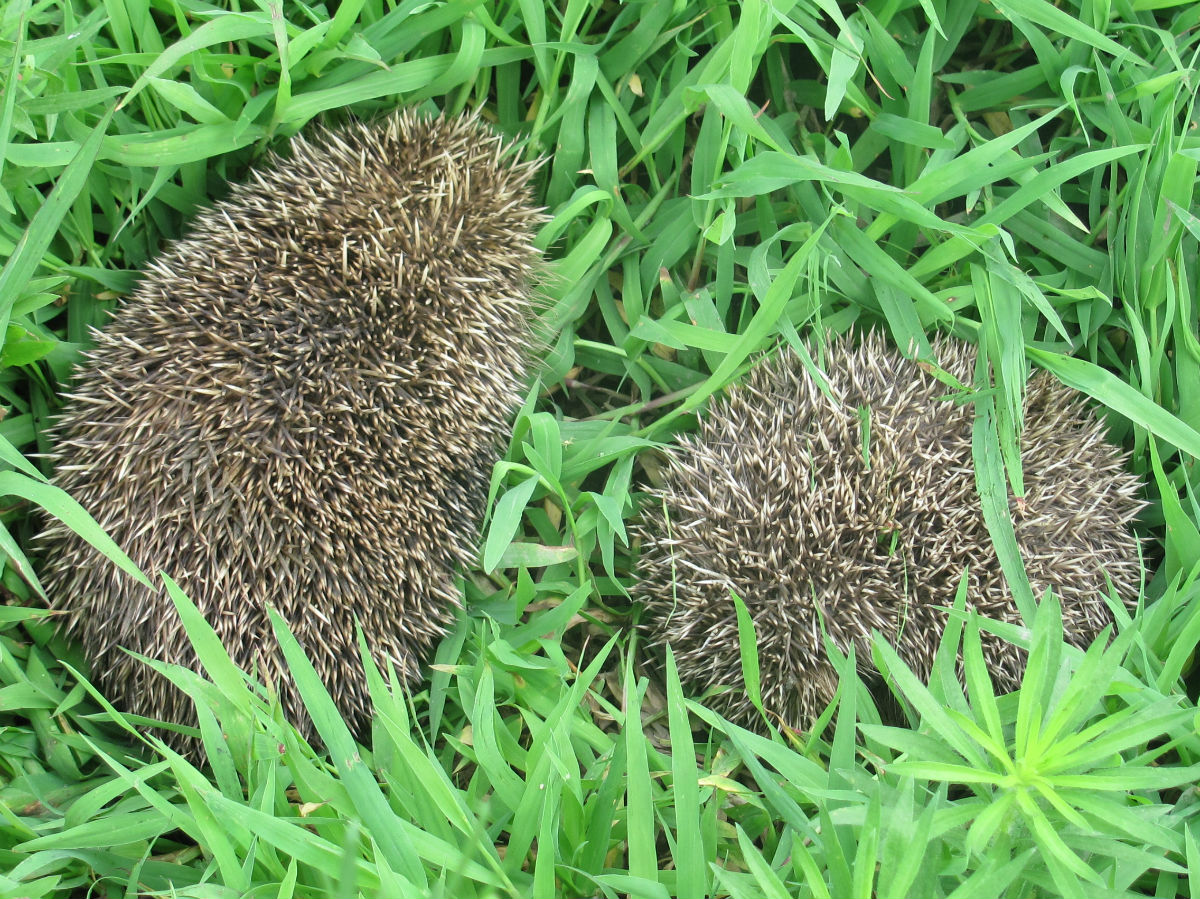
[300,407]
[858,511]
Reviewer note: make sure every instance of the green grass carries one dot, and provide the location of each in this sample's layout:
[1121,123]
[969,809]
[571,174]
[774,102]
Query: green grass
[722,177]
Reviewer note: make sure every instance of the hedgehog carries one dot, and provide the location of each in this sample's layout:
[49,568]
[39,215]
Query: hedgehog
[299,408]
[856,510]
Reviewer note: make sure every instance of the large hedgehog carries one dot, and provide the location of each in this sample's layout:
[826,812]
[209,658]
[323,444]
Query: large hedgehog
[858,511]
[300,407]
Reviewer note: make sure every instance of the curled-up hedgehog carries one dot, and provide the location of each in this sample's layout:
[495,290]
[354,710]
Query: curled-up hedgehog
[856,511]
[300,408]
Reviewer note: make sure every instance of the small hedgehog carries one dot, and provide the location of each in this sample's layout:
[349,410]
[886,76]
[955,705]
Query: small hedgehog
[858,511]
[300,408]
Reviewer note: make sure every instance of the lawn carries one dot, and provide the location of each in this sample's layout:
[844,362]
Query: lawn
[721,179]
